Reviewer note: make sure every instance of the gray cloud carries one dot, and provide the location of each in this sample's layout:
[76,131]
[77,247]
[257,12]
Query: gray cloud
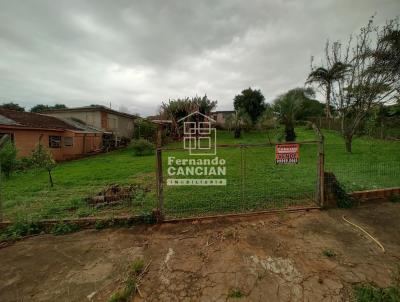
[136,54]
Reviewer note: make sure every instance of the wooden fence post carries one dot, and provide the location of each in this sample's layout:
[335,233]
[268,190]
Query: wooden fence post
[160,188]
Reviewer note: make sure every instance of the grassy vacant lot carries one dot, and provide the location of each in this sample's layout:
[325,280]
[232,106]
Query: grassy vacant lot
[261,184]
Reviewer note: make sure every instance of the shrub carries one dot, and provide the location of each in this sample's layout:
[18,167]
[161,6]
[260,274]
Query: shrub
[143,147]
[8,158]
[24,163]
[21,228]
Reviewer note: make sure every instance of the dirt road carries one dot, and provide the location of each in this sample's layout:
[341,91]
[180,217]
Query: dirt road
[286,257]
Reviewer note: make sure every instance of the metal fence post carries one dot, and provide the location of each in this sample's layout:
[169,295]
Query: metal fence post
[321,157]
[160,188]
[320,167]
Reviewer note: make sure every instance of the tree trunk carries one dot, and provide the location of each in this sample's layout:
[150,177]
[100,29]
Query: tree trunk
[290,134]
[50,178]
[342,124]
[328,101]
[237,132]
[348,140]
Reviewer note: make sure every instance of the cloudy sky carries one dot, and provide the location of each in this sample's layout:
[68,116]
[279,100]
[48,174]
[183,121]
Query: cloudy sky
[136,54]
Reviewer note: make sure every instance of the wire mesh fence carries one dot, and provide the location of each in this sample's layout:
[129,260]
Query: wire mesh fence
[252,181]
[372,164]
[82,188]
[115,185]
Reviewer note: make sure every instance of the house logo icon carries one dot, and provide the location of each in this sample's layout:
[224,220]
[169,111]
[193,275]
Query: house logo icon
[200,138]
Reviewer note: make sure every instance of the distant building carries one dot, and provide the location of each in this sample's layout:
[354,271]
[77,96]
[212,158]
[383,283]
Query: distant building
[220,117]
[66,139]
[118,123]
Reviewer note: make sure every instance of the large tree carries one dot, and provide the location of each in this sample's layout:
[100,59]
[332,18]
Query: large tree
[250,101]
[373,77]
[12,106]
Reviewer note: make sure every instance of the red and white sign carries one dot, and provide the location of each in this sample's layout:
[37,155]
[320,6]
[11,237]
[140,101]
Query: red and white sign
[287,153]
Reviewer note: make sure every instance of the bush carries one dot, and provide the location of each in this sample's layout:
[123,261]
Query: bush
[19,229]
[24,164]
[8,158]
[143,147]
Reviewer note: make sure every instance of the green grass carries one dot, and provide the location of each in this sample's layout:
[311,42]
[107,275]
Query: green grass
[263,184]
[368,292]
[126,293]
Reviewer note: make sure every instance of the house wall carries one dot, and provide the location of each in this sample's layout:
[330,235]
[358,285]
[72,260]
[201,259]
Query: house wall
[119,125]
[26,140]
[82,143]
[220,118]
[92,118]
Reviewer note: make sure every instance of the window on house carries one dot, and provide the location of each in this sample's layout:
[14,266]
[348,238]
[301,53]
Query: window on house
[68,141]
[54,141]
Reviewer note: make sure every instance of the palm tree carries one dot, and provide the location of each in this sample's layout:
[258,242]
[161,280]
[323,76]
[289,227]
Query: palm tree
[239,119]
[326,77]
[288,106]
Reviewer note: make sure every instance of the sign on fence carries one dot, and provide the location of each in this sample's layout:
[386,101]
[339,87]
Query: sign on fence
[287,153]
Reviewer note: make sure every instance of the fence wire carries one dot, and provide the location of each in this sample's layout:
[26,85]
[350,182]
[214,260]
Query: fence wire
[254,182]
[371,164]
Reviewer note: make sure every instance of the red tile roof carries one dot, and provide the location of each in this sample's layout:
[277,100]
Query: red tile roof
[33,120]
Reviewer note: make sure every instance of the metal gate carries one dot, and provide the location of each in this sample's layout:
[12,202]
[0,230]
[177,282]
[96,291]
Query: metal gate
[254,182]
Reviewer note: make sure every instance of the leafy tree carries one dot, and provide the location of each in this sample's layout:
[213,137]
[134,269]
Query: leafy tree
[175,110]
[12,106]
[41,107]
[58,106]
[288,107]
[8,155]
[310,108]
[204,105]
[372,78]
[251,102]
[326,77]
[42,158]
[145,129]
